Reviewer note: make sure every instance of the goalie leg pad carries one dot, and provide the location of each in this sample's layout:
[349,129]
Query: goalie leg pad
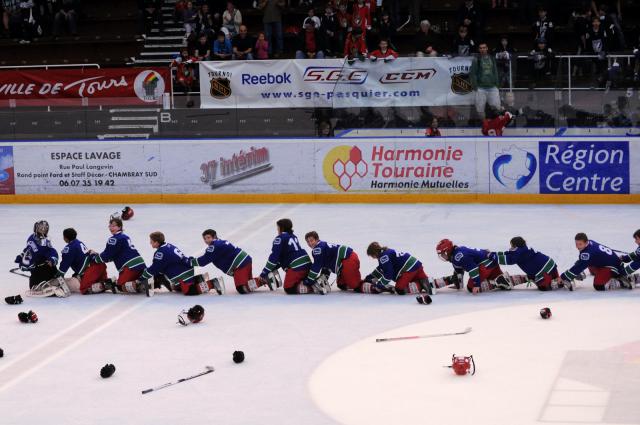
[251,285]
[129,287]
[413,288]
[369,288]
[304,289]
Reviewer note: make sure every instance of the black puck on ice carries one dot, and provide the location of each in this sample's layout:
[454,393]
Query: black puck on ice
[1,353]
[238,356]
[107,370]
[423,299]
[545,313]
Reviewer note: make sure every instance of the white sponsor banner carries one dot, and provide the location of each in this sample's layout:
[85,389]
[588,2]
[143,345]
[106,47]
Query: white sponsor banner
[398,166]
[77,167]
[335,83]
[239,166]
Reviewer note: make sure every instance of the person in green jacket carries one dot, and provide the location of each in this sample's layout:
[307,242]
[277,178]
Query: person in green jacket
[485,81]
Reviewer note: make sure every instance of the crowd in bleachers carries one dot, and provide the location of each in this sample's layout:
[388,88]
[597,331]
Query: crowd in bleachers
[25,20]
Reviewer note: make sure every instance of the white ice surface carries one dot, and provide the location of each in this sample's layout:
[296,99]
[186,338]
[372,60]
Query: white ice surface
[310,359]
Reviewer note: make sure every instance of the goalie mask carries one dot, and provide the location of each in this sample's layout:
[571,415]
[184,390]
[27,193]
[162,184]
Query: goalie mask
[194,315]
[41,228]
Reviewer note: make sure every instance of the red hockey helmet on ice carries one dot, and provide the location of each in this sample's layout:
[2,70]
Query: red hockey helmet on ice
[444,249]
[463,365]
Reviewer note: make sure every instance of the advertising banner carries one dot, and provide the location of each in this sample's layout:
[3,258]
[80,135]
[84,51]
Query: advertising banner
[397,167]
[340,167]
[335,83]
[87,168]
[138,85]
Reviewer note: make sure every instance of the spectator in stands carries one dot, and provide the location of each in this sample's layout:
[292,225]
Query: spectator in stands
[310,42]
[484,79]
[189,18]
[355,46]
[325,129]
[222,49]
[29,21]
[433,130]
[329,30]
[581,17]
[243,45]
[463,45]
[202,48]
[505,59]
[262,47]
[496,121]
[232,19]
[205,22]
[541,62]
[344,24]
[543,27]
[10,10]
[148,12]
[311,16]
[597,39]
[610,14]
[363,13]
[387,29]
[471,17]
[383,52]
[185,74]
[273,23]
[65,16]
[426,41]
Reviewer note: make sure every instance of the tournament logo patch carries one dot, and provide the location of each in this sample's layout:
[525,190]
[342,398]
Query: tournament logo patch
[220,87]
[158,256]
[112,241]
[460,84]
[211,248]
[384,259]
[65,250]
[458,256]
[316,251]
[584,256]
[276,241]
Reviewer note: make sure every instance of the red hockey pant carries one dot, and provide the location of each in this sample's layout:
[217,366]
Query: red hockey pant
[94,273]
[485,274]
[405,278]
[350,276]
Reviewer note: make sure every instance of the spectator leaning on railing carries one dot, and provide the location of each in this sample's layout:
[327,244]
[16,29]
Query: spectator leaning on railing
[202,48]
[185,73]
[463,45]
[383,52]
[483,76]
[355,45]
[262,47]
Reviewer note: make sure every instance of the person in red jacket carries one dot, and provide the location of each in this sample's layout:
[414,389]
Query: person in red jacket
[354,45]
[433,130]
[383,52]
[495,122]
[185,65]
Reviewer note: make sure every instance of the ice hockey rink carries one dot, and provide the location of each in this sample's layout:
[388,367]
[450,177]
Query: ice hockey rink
[313,359]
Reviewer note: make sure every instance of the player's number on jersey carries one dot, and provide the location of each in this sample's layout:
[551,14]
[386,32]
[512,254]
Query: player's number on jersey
[178,252]
[605,249]
[294,244]
[131,244]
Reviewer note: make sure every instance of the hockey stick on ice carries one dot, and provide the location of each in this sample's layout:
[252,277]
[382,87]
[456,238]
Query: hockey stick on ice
[399,338]
[209,369]
[18,272]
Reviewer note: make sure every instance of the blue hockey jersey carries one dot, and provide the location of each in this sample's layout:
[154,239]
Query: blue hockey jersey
[633,258]
[470,260]
[286,253]
[392,264]
[328,256]
[37,251]
[535,264]
[595,255]
[121,251]
[222,254]
[172,263]
[75,256]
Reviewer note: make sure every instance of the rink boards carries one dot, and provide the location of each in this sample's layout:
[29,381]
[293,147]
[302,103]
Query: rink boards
[596,169]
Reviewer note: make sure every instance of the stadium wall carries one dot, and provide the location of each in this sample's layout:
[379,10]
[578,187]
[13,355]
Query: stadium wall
[347,170]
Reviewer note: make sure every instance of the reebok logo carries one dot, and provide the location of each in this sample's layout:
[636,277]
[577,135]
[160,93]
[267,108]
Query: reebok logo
[253,80]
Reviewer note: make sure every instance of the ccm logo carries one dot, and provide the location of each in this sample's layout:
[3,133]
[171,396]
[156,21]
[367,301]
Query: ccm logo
[332,75]
[407,76]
